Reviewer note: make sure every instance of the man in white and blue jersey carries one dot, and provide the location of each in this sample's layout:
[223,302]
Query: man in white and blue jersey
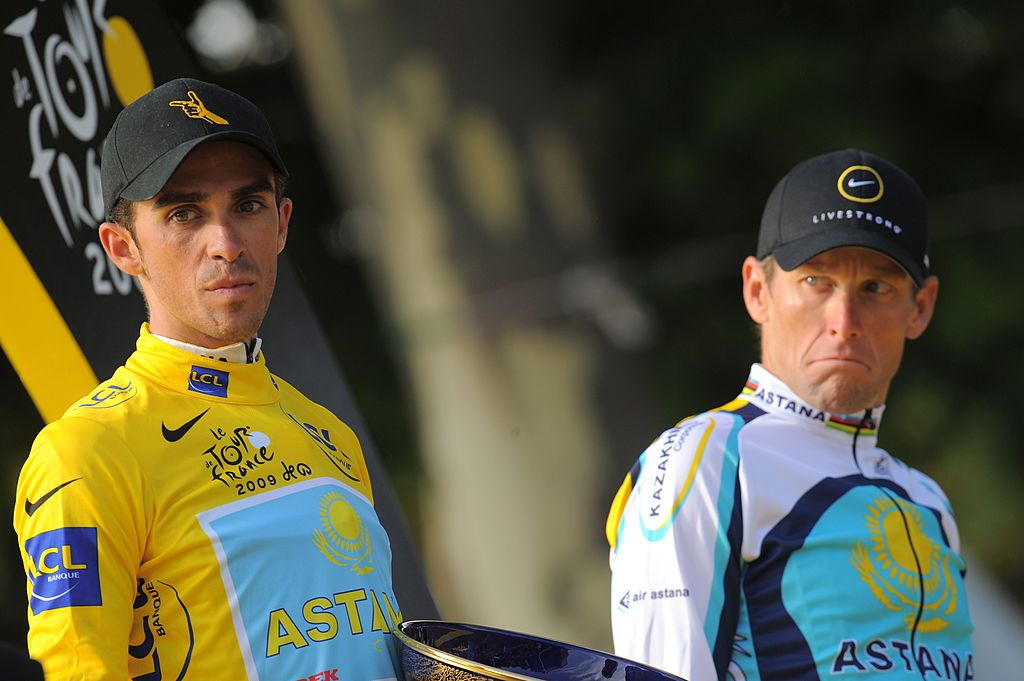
[772,538]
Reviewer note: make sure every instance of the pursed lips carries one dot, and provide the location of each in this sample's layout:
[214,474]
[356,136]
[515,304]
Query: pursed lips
[841,359]
[229,285]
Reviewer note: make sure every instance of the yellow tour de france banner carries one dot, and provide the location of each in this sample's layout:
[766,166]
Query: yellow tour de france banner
[68,316]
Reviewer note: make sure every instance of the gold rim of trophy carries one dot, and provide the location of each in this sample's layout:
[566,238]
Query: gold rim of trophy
[458,662]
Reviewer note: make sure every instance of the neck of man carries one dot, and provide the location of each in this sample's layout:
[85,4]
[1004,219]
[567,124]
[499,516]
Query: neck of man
[242,352]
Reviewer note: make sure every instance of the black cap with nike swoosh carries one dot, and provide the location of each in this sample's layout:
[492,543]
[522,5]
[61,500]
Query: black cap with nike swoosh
[153,135]
[846,198]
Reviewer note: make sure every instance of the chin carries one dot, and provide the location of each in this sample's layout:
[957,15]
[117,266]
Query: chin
[233,332]
[238,324]
[841,397]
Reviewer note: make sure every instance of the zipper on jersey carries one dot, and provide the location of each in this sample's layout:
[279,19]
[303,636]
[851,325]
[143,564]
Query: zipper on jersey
[910,542]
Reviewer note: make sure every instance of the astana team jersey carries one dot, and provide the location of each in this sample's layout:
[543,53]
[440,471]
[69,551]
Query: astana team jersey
[771,540]
[197,519]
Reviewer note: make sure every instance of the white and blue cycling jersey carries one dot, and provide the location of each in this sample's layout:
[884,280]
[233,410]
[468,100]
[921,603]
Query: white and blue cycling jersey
[768,539]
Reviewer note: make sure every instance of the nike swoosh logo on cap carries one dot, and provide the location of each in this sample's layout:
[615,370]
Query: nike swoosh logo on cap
[178,433]
[859,183]
[32,506]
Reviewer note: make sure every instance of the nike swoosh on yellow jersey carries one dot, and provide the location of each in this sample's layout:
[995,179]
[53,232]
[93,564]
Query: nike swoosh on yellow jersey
[179,432]
[33,506]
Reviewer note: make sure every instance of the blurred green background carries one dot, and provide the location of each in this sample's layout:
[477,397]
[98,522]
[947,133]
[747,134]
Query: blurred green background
[680,118]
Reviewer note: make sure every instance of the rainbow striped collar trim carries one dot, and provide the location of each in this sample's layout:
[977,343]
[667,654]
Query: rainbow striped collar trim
[774,395]
[750,387]
[851,424]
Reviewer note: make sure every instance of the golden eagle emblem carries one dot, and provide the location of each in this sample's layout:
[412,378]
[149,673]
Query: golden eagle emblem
[343,537]
[901,561]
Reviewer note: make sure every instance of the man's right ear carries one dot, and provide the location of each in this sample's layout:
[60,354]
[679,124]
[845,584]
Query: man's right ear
[755,289]
[121,248]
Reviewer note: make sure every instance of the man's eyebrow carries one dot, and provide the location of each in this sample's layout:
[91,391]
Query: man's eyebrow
[258,187]
[875,268]
[886,268]
[172,197]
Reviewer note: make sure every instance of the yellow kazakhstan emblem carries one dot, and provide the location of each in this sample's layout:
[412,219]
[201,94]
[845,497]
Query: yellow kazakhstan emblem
[343,539]
[889,568]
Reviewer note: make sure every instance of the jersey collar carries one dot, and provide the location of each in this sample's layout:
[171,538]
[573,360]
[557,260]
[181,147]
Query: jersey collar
[763,389]
[202,377]
[236,353]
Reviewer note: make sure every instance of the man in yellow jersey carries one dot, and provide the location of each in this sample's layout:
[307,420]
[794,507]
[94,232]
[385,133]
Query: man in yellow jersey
[195,516]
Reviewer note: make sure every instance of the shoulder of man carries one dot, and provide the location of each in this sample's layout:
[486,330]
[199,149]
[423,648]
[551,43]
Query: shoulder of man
[921,486]
[70,449]
[109,399]
[697,453]
[327,428]
[292,395]
[88,442]
[79,435]
[694,446]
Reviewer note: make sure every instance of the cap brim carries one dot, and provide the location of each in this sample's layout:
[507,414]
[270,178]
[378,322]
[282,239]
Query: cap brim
[151,180]
[793,254]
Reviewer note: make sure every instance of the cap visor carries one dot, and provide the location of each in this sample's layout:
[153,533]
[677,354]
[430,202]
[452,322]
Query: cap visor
[151,180]
[795,253]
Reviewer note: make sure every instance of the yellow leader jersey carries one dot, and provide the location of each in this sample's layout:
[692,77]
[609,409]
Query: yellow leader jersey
[197,519]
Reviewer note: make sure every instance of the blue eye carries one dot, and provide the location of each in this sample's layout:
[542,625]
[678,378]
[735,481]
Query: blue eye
[811,280]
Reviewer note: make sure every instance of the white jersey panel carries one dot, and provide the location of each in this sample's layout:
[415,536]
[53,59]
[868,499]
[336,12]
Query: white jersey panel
[772,540]
[672,548]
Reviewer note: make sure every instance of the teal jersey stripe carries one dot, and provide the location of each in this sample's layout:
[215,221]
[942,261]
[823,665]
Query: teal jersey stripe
[726,501]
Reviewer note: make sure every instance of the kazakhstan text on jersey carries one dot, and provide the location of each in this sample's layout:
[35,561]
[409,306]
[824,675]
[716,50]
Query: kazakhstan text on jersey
[772,540]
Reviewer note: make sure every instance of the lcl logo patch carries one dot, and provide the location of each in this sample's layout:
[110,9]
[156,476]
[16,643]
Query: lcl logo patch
[862,184]
[208,381]
[64,568]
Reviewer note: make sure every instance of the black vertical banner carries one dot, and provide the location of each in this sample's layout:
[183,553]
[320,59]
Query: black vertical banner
[72,66]
[70,316]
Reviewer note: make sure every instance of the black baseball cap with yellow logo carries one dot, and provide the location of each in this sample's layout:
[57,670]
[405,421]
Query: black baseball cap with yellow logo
[153,135]
[846,198]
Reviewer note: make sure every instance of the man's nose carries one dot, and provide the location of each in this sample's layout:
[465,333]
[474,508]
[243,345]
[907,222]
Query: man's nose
[223,240]
[843,315]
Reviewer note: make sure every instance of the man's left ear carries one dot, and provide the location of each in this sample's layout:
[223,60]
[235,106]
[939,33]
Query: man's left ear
[284,216]
[924,303]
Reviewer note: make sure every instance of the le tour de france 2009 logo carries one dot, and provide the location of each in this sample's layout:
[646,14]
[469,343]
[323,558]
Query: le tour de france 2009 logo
[68,79]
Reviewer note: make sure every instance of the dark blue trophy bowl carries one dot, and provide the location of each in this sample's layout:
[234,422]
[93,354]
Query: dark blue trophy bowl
[446,651]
